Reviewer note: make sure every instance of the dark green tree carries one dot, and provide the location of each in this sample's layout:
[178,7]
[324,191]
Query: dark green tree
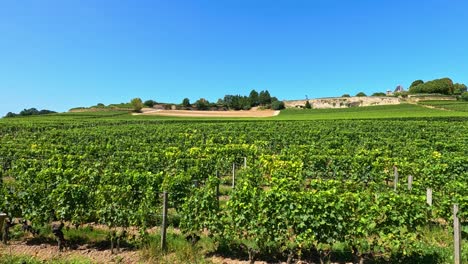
[379,94]
[264,98]
[346,95]
[277,105]
[186,102]
[308,105]
[202,104]
[253,97]
[464,96]
[149,103]
[361,94]
[416,83]
[459,88]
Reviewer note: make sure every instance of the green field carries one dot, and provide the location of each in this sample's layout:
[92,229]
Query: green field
[458,106]
[318,186]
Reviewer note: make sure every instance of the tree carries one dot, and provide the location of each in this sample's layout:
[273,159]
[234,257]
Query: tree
[440,86]
[186,102]
[459,88]
[379,94]
[361,94]
[253,97]
[264,98]
[137,104]
[149,103]
[416,83]
[346,95]
[202,104]
[308,105]
[464,96]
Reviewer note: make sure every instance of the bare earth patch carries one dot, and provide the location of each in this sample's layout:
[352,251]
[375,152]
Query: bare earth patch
[195,113]
[45,252]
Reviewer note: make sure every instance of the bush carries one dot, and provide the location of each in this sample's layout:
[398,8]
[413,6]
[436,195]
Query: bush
[464,96]
[379,94]
[346,95]
[361,94]
[277,105]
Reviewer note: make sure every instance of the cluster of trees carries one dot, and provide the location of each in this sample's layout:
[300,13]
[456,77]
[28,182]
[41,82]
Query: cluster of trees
[439,86]
[238,102]
[29,112]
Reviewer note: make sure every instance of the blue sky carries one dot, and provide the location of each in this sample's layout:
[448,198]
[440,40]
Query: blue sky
[58,54]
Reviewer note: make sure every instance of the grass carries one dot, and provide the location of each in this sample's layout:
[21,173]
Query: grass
[460,106]
[178,250]
[367,112]
[459,109]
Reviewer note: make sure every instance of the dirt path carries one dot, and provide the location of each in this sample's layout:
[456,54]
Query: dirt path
[46,252]
[195,113]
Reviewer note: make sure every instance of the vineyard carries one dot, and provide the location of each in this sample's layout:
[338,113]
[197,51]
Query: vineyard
[274,190]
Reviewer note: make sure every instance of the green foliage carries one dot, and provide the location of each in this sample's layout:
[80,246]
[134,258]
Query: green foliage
[30,112]
[149,103]
[439,86]
[137,104]
[459,88]
[277,105]
[379,94]
[253,98]
[202,104]
[308,105]
[186,102]
[301,193]
[361,94]
[464,96]
[264,98]
[346,95]
[416,83]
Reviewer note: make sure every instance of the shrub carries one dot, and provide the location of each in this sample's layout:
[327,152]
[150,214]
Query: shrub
[277,105]
[137,104]
[464,96]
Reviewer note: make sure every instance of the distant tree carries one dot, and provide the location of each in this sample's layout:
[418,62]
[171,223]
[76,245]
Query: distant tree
[346,95]
[459,88]
[202,104]
[308,105]
[416,83]
[149,103]
[10,114]
[379,94]
[137,104]
[277,105]
[186,102]
[464,96]
[439,86]
[30,112]
[253,97]
[361,94]
[100,105]
[264,98]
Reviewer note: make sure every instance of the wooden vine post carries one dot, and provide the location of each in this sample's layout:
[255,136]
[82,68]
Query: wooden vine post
[410,182]
[164,223]
[233,174]
[429,196]
[456,236]
[395,181]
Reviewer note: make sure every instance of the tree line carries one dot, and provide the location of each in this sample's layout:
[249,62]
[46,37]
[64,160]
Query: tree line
[30,112]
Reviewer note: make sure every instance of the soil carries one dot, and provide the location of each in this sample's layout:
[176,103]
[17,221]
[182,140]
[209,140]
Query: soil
[47,251]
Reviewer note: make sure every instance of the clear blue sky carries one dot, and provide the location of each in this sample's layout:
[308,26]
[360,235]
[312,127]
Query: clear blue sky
[58,54]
